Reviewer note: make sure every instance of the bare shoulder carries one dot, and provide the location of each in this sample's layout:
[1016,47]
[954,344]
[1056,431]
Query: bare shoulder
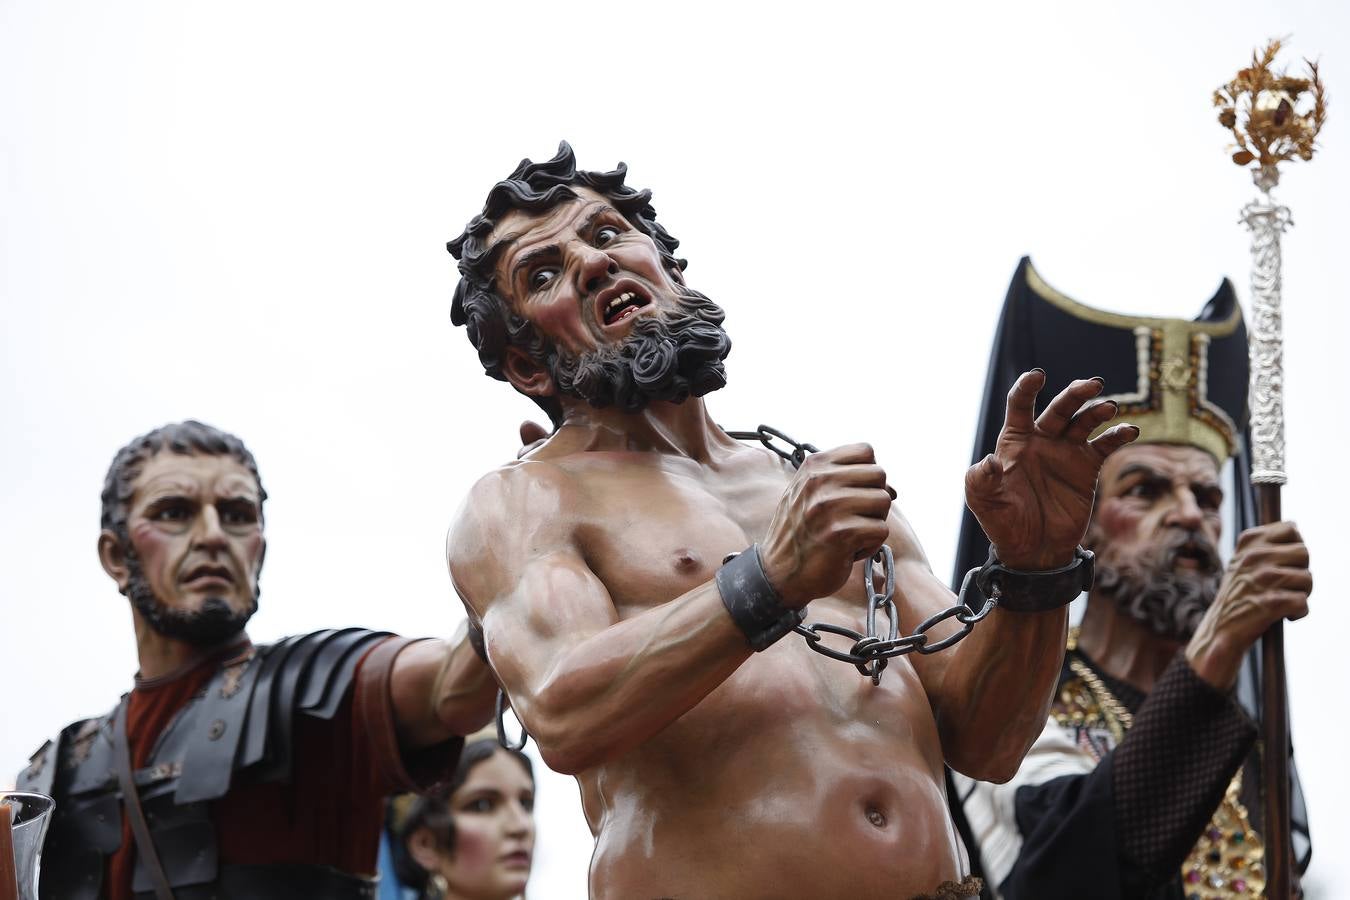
[751,459]
[518,510]
[518,501]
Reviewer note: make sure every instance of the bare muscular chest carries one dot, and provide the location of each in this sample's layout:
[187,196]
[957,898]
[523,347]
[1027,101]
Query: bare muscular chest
[653,532]
[789,743]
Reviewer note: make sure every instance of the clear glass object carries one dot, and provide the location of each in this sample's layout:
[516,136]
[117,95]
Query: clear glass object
[23,824]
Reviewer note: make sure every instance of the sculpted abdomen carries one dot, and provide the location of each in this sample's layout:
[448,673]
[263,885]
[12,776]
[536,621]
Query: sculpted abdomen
[792,747]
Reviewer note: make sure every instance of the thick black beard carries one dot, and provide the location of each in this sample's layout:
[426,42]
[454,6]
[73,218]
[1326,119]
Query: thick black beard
[666,357]
[1151,592]
[214,623]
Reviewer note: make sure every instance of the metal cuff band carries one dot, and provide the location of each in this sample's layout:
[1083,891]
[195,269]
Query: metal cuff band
[1032,591]
[752,602]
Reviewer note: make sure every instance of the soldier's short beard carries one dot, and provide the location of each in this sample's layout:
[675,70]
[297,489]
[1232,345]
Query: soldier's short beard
[667,356]
[215,622]
[1152,592]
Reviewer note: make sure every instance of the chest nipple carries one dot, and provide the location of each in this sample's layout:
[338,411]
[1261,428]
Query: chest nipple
[687,561]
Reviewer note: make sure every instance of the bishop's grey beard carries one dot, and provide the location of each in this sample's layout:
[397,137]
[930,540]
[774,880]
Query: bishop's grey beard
[1152,592]
[667,356]
[215,622]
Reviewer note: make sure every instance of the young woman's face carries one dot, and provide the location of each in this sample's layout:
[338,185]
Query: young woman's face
[494,831]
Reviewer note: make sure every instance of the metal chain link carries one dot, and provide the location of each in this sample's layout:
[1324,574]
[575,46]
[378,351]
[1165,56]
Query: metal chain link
[870,652]
[767,435]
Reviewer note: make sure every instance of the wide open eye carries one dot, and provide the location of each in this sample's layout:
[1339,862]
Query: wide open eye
[604,234]
[238,514]
[1144,490]
[1210,499]
[540,278]
[173,512]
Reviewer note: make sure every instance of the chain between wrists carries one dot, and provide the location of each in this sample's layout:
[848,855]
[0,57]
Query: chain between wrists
[979,596]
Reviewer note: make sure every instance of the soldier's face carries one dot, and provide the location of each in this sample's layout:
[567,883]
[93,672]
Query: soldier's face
[195,527]
[580,272]
[1157,498]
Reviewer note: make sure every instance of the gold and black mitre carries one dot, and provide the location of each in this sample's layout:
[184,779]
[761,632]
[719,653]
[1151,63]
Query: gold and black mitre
[1181,381]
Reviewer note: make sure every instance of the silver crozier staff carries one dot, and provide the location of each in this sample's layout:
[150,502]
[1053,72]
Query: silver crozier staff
[1274,118]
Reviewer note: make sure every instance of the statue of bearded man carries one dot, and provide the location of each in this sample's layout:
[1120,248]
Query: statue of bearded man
[717,755]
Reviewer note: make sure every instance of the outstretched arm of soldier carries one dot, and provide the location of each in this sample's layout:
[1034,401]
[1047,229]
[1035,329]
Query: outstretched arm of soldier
[441,688]
[1033,497]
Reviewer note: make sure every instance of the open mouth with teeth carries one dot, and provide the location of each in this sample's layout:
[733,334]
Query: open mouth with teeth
[1194,557]
[623,305]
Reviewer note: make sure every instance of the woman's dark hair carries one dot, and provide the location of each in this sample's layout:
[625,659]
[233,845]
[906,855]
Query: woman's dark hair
[434,812]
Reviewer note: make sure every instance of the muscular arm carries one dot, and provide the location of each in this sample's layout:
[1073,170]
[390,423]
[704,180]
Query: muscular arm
[997,689]
[440,689]
[991,692]
[586,685]
[1033,497]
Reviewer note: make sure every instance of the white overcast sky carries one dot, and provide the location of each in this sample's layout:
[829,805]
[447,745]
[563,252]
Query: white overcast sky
[237,212]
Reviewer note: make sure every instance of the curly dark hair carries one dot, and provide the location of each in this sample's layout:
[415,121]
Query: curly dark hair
[404,815]
[186,438]
[489,321]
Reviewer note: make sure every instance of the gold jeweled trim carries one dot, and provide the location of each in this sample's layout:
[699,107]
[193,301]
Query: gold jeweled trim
[1114,714]
[1229,859]
[1170,402]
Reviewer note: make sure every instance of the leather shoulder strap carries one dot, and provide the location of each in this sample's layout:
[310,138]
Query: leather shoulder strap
[332,671]
[217,729]
[131,803]
[254,744]
[306,674]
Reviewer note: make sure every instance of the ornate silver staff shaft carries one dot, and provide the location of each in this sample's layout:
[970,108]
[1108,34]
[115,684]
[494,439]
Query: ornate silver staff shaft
[1267,221]
[1273,118]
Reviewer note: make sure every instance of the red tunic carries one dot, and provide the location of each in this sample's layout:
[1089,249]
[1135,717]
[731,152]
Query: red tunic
[331,810]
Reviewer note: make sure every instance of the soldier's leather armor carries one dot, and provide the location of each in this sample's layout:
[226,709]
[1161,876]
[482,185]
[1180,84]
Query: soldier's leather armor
[239,728]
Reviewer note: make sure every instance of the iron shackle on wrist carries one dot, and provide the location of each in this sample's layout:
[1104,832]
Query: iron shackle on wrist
[751,600]
[1018,591]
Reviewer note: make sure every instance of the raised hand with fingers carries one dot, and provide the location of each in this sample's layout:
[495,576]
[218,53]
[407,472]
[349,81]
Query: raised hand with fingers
[1033,495]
